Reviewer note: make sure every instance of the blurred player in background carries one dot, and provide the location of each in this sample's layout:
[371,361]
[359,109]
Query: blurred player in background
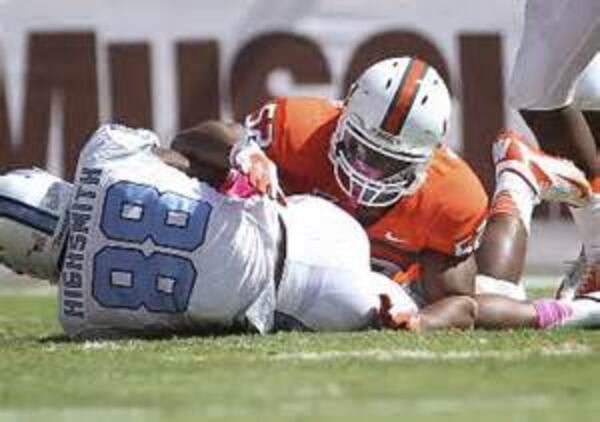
[138,247]
[379,155]
[560,39]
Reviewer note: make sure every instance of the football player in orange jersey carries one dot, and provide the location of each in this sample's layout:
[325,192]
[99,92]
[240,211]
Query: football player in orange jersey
[379,155]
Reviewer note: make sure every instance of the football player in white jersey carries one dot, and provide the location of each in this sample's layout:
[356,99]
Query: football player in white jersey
[560,38]
[138,247]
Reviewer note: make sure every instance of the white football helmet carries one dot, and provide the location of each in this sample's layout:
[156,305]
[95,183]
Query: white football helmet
[394,117]
[33,217]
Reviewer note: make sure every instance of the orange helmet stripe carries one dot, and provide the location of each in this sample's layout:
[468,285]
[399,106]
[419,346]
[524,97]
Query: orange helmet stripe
[404,97]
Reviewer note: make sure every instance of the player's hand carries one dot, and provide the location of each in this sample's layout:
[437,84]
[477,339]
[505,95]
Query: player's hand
[261,171]
[396,320]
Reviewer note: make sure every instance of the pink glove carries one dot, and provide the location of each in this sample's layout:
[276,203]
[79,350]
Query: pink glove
[237,185]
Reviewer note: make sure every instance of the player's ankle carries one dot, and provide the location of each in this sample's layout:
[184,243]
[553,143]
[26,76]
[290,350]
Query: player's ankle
[551,312]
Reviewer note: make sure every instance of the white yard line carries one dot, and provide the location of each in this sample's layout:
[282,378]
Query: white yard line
[450,355]
[74,414]
[29,291]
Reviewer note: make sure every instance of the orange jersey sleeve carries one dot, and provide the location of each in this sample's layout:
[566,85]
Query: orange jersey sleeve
[295,133]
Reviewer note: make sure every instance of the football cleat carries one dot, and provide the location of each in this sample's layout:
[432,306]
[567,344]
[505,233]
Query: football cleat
[552,179]
[581,279]
[590,280]
[585,311]
[572,277]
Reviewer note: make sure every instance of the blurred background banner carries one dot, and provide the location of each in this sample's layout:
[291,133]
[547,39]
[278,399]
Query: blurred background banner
[68,65]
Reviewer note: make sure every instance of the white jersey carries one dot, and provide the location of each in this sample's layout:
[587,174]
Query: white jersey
[153,250]
[327,282]
[560,38]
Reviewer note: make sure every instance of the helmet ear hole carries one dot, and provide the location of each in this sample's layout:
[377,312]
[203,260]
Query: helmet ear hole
[33,206]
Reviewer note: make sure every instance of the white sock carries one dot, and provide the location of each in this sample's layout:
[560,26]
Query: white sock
[487,284]
[514,196]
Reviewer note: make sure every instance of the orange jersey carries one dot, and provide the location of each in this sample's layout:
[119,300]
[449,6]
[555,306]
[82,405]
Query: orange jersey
[445,215]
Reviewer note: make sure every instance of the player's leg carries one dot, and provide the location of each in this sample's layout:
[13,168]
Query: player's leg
[334,299]
[587,96]
[458,312]
[501,257]
[584,274]
[560,38]
[398,309]
[501,312]
[568,124]
[592,117]
[565,132]
[524,177]
[324,282]
[328,284]
[562,129]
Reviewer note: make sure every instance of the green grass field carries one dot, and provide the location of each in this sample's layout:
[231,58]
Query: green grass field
[510,376]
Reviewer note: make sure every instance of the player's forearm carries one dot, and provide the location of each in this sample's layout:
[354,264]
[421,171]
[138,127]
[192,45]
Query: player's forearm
[207,146]
[500,312]
[457,312]
[445,276]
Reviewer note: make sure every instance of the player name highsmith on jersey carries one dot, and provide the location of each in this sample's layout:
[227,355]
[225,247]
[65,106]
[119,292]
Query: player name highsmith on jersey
[78,220]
